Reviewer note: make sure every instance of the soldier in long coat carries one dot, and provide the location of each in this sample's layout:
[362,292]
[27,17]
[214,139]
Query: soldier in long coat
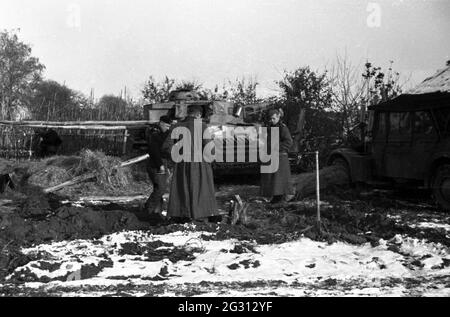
[192,193]
[277,185]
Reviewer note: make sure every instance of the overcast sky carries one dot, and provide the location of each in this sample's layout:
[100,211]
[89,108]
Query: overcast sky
[109,44]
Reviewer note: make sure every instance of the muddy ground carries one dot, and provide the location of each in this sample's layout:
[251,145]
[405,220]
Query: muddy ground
[357,218]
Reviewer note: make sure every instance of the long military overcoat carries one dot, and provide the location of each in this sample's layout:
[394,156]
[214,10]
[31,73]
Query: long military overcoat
[278,183]
[192,193]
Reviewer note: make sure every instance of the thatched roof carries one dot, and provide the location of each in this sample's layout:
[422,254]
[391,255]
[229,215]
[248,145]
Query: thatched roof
[433,92]
[439,82]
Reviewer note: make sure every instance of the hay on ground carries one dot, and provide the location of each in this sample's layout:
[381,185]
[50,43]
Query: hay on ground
[49,177]
[56,170]
[108,175]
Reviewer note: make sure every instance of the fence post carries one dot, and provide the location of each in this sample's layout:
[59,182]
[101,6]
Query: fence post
[31,146]
[125,139]
[15,143]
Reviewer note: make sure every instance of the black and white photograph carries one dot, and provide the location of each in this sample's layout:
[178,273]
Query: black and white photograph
[228,150]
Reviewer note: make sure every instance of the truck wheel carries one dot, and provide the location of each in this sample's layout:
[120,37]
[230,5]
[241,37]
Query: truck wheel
[441,187]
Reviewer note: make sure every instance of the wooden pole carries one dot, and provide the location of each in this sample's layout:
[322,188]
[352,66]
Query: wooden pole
[318,188]
[135,160]
[119,199]
[74,181]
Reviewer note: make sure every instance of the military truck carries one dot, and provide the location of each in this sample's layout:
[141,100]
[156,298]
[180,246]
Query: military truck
[408,141]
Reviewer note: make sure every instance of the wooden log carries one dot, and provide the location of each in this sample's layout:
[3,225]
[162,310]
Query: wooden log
[135,160]
[112,199]
[103,200]
[74,181]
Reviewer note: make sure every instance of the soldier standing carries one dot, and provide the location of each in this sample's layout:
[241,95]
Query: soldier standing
[277,185]
[192,193]
[158,166]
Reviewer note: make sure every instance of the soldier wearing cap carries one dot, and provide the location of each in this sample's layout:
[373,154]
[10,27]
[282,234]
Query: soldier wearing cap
[158,166]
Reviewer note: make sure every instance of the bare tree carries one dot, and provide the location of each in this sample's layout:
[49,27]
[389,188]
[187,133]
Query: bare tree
[354,90]
[348,90]
[382,86]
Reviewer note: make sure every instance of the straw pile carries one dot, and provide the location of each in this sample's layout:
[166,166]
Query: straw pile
[109,176]
[56,170]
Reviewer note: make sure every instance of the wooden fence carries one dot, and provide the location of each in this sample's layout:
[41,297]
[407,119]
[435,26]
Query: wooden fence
[19,140]
[16,142]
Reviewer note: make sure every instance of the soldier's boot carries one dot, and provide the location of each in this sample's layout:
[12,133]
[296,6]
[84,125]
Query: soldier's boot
[154,203]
